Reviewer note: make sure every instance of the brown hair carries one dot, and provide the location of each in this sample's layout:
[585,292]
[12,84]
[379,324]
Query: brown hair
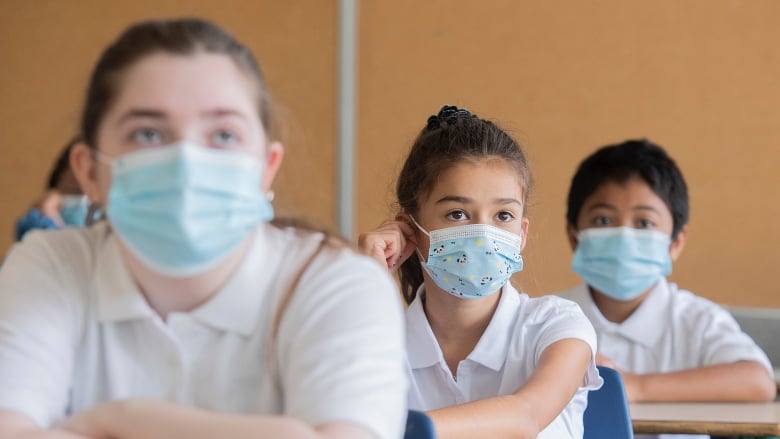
[182,37]
[450,137]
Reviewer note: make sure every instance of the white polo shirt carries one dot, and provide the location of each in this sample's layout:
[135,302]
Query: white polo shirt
[504,358]
[671,330]
[75,331]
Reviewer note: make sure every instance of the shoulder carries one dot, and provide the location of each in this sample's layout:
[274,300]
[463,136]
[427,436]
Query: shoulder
[332,273]
[542,308]
[688,308]
[68,252]
[547,319]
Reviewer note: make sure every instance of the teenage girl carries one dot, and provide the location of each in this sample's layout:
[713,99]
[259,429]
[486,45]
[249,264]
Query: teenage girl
[187,314]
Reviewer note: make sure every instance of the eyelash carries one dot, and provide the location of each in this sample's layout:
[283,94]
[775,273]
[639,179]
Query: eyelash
[603,221]
[135,136]
[451,216]
[234,138]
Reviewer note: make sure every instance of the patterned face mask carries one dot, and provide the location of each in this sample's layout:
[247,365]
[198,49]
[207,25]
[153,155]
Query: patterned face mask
[473,260]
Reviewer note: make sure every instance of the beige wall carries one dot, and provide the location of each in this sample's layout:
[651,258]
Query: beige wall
[48,48]
[699,77]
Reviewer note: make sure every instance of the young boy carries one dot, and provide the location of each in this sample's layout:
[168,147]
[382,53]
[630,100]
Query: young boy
[627,221]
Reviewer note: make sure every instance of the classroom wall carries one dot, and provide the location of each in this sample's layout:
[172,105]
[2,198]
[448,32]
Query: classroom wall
[48,48]
[699,77]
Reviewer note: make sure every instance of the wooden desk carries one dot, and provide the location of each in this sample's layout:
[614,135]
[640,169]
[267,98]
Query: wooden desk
[741,419]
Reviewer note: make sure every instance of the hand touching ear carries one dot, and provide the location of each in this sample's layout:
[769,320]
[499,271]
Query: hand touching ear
[390,244]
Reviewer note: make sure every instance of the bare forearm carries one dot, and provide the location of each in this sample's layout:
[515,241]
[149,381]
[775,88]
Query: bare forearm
[742,382]
[499,417]
[150,419]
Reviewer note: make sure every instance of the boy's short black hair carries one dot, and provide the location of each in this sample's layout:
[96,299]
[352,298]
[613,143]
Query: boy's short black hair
[619,163]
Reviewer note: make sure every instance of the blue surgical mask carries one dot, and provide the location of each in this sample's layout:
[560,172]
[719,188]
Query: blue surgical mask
[473,260]
[622,262]
[183,208]
[73,210]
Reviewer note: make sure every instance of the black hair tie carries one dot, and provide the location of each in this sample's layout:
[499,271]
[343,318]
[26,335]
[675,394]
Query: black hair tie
[448,114]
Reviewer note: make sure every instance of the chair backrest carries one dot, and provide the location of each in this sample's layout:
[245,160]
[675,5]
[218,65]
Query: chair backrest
[762,325]
[419,426]
[607,416]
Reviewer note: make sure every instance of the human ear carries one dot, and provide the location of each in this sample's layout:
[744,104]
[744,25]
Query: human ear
[676,248]
[273,160]
[524,233]
[84,167]
[571,233]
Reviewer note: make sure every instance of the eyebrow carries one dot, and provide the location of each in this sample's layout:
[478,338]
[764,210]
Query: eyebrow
[466,200]
[223,112]
[141,113]
[157,114]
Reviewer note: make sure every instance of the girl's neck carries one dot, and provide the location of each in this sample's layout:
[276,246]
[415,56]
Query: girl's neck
[457,323]
[167,294]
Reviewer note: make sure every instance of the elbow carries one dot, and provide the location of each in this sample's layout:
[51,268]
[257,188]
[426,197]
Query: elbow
[762,387]
[765,390]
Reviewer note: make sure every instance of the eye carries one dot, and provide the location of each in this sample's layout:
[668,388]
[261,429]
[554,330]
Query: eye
[645,224]
[456,215]
[505,216]
[602,221]
[146,136]
[224,138]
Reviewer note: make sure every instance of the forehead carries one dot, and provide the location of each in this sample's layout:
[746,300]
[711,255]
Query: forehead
[630,194]
[185,84]
[487,178]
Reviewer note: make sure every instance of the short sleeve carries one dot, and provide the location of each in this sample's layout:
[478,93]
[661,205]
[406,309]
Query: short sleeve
[560,319]
[341,346]
[38,330]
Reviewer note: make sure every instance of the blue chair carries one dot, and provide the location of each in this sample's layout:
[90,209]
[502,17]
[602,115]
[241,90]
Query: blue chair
[607,416]
[419,426]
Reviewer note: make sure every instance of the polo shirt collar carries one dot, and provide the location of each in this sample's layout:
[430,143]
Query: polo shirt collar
[234,308]
[645,325]
[491,349]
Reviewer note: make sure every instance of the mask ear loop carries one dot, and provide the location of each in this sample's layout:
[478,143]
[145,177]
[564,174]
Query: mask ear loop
[419,226]
[423,260]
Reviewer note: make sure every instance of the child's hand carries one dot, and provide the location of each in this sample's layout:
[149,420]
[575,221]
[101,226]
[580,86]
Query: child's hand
[50,205]
[389,244]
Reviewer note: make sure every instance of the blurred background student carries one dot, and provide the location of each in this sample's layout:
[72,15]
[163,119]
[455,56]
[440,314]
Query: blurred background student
[62,204]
